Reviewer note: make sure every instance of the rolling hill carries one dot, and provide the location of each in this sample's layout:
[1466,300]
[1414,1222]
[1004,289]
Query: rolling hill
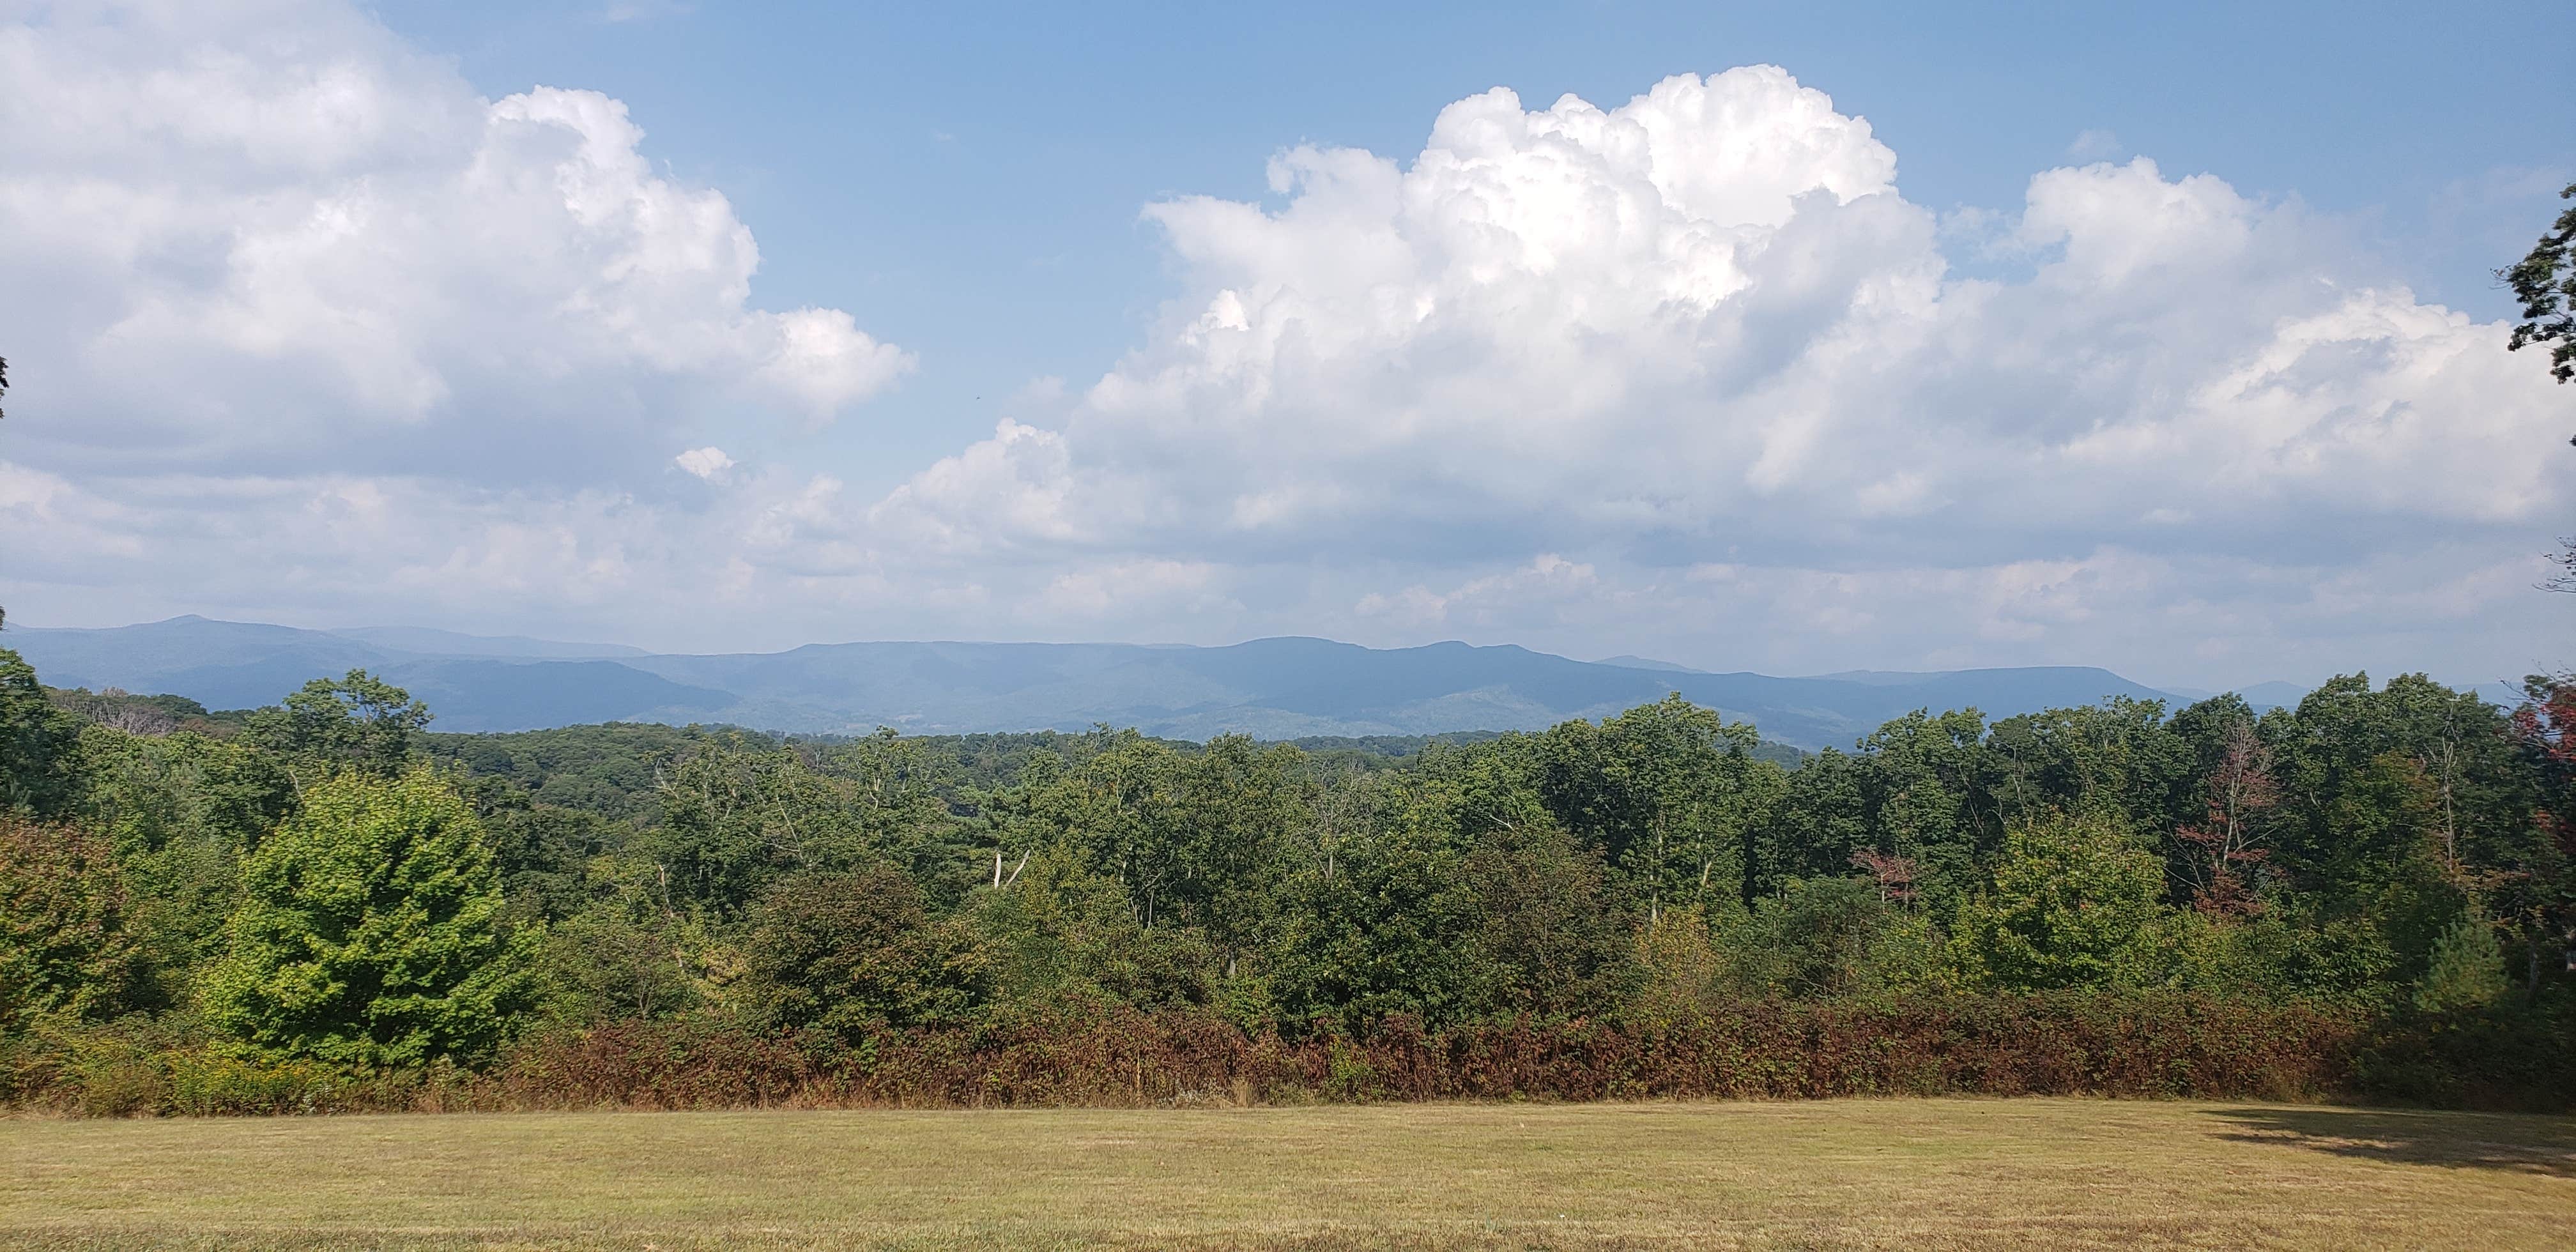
[1270,688]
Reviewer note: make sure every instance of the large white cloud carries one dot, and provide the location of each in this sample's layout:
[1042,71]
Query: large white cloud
[271,236]
[1703,330]
[1707,317]
[328,336]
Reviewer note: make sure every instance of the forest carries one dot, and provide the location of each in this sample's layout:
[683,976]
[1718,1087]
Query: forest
[325,905]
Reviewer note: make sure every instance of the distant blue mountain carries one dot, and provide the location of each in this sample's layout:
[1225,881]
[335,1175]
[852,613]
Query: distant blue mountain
[427,642]
[1647,662]
[1270,688]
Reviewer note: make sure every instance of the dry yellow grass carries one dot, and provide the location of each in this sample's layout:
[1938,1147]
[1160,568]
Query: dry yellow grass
[1890,1173]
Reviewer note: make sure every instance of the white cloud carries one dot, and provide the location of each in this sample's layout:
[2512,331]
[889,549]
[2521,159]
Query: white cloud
[1502,599]
[276,236]
[1705,322]
[704,463]
[1684,377]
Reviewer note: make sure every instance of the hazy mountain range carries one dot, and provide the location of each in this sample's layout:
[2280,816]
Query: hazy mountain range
[1271,688]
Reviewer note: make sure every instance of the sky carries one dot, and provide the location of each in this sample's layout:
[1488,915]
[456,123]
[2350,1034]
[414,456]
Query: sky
[1750,337]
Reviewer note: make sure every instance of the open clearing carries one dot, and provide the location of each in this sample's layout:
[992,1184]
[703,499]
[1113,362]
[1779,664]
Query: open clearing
[1886,1173]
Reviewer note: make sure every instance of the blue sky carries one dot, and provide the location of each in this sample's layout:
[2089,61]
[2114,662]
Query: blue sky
[1800,340]
[968,177]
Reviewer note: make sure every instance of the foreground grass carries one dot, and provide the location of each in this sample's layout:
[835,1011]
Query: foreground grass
[1892,1173]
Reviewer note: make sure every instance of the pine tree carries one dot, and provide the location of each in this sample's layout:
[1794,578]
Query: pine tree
[2467,970]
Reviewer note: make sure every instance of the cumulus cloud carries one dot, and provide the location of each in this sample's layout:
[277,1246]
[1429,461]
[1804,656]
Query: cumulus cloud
[1707,315]
[273,236]
[1705,324]
[1685,376]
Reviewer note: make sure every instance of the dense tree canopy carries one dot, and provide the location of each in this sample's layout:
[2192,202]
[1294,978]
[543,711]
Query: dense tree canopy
[327,880]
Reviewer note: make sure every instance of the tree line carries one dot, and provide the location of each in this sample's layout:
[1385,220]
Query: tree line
[327,883]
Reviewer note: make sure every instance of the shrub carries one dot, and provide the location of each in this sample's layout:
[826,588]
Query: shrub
[2519,1059]
[2162,1045]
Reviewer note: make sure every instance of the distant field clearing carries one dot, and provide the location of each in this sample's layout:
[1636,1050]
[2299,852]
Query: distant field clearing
[1879,1173]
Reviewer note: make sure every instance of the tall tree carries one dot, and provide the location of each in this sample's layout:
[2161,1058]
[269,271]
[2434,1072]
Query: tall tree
[852,951]
[738,815]
[180,811]
[1922,778]
[356,720]
[2221,852]
[2545,281]
[1668,792]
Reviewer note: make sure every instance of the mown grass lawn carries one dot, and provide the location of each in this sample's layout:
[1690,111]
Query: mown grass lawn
[1869,1173]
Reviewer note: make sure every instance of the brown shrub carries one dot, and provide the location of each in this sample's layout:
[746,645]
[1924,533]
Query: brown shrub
[2053,1044]
[1998,1045]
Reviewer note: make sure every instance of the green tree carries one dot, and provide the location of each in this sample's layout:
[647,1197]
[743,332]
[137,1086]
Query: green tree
[2119,756]
[1195,840]
[1061,930]
[543,853]
[739,814]
[2075,903]
[38,767]
[371,932]
[1668,792]
[2373,782]
[64,946]
[1921,781]
[852,950]
[1552,937]
[1386,922]
[180,810]
[611,961]
[2466,971]
[356,720]
[2544,280]
[1822,819]
[1826,938]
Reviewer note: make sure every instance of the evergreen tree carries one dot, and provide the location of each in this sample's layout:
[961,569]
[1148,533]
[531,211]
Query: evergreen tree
[2467,969]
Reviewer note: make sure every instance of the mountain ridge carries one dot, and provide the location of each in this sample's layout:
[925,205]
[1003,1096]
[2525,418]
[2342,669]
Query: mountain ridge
[1273,688]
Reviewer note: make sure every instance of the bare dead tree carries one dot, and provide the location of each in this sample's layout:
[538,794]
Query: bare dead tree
[1895,874]
[2223,841]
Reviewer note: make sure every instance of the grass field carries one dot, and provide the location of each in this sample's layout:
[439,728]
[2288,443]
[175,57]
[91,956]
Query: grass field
[1881,1173]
